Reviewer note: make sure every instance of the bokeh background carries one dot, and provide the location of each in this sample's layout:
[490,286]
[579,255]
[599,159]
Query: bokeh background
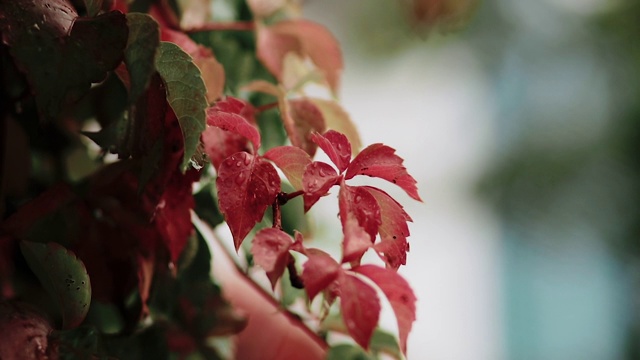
[520,121]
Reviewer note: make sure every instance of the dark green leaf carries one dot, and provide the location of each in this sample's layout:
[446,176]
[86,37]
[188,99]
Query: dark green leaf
[144,39]
[61,54]
[207,205]
[185,94]
[64,277]
[347,352]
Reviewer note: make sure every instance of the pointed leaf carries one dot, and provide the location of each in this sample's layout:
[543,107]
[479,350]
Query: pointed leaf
[319,272]
[356,241]
[317,179]
[307,119]
[270,249]
[64,277]
[360,308]
[304,38]
[60,53]
[144,39]
[336,146]
[400,295]
[185,94]
[348,352]
[336,118]
[93,6]
[393,229]
[211,70]
[247,185]
[292,161]
[356,201]
[379,160]
[235,123]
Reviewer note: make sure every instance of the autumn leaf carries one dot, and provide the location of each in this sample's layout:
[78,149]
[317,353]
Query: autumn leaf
[360,308]
[292,161]
[399,294]
[336,146]
[393,229]
[64,277]
[318,272]
[305,38]
[356,201]
[247,185]
[270,249]
[317,179]
[233,122]
[336,118]
[307,119]
[380,161]
[356,240]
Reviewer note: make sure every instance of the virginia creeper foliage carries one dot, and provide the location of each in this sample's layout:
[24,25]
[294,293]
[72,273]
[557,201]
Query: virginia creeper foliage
[192,118]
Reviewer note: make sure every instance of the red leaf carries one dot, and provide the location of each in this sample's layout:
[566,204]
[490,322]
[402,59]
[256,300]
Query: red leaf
[304,38]
[270,250]
[235,123]
[247,185]
[393,229]
[292,161]
[337,147]
[319,271]
[307,119]
[400,296]
[220,144]
[379,160]
[360,308]
[356,241]
[360,203]
[173,214]
[317,179]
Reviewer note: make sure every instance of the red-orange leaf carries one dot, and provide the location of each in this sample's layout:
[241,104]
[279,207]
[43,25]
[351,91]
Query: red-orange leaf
[400,295]
[317,179]
[305,38]
[318,272]
[233,122]
[292,161]
[356,241]
[360,308]
[356,201]
[336,146]
[270,249]
[247,185]
[393,228]
[379,160]
[307,119]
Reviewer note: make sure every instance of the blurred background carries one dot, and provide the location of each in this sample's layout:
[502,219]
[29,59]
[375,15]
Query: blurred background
[520,121]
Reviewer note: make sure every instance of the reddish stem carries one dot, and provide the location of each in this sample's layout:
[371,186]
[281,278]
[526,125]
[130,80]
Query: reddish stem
[266,107]
[222,26]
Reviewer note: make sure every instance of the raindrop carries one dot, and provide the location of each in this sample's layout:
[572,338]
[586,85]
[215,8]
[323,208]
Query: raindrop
[247,160]
[35,26]
[240,179]
[238,163]
[358,198]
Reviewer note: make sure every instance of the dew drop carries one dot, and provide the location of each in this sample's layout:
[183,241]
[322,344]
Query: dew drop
[247,160]
[358,198]
[238,163]
[240,179]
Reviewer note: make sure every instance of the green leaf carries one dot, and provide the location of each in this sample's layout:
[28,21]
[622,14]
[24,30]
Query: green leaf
[185,94]
[383,342]
[144,39]
[347,352]
[207,205]
[63,276]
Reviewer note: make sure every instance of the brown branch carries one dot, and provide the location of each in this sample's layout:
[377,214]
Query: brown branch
[223,26]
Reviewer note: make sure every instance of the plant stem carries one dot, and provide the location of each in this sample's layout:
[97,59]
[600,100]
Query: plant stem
[222,26]
[266,107]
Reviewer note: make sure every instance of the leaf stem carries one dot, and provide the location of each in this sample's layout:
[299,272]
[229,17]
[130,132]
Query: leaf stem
[266,107]
[222,26]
